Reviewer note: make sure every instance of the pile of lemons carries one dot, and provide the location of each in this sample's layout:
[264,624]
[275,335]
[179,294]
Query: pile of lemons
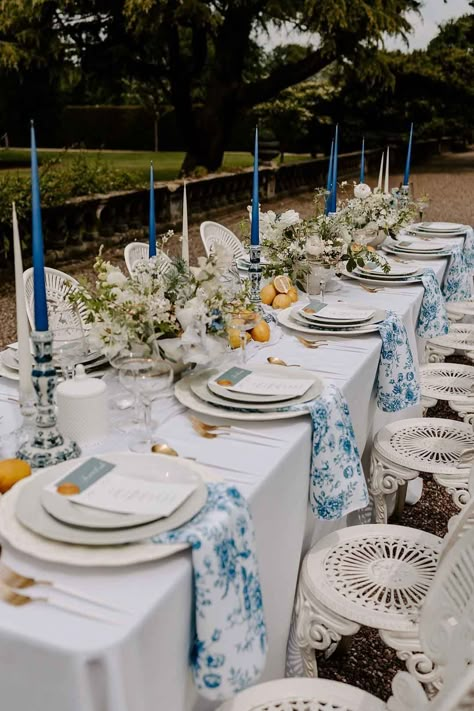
[280,293]
[260,332]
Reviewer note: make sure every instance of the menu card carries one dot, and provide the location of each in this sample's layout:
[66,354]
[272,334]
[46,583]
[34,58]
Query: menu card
[259,383]
[112,487]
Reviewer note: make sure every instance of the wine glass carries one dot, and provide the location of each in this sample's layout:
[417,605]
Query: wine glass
[69,348]
[243,321]
[422,204]
[147,377]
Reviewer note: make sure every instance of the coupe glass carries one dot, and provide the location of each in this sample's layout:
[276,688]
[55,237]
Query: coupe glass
[243,321]
[147,377]
[69,348]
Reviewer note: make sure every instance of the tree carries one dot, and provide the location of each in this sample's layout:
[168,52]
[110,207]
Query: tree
[202,52]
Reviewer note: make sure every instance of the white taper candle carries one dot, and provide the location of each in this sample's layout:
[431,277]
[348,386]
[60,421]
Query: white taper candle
[185,243]
[379,184]
[23,332]
[387,170]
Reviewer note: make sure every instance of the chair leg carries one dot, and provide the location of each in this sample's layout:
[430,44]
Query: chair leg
[437,354]
[386,479]
[418,664]
[314,628]
[400,501]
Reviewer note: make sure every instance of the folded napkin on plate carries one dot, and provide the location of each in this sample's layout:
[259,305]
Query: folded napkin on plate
[337,482]
[432,319]
[230,643]
[397,381]
[458,280]
[469,247]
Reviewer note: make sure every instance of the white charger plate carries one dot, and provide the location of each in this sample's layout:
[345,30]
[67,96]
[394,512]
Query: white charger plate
[440,226]
[417,255]
[7,372]
[32,515]
[396,271]
[373,281]
[285,317]
[316,318]
[199,387]
[27,542]
[186,397]
[378,317]
[228,394]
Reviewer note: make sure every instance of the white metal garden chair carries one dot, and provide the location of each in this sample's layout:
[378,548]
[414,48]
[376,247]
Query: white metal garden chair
[138,252]
[459,339]
[451,382]
[213,233]
[446,632]
[372,575]
[459,310]
[59,286]
[431,445]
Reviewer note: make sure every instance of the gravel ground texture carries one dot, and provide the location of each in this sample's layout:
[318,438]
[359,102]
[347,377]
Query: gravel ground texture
[448,180]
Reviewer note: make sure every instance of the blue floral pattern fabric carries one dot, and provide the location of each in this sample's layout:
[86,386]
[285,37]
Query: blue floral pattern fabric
[230,642]
[458,279]
[397,381]
[337,482]
[432,319]
[469,248]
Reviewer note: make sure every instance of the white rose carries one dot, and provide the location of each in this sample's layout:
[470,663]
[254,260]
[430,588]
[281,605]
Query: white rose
[362,191]
[116,278]
[314,246]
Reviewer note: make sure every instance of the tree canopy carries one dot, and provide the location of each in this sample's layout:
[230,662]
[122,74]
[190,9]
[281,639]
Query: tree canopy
[201,55]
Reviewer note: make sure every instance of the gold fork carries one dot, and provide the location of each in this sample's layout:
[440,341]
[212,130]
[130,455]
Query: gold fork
[370,289]
[11,597]
[310,344]
[12,579]
[213,431]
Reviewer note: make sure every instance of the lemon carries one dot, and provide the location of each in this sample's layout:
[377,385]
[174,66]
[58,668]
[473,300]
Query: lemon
[261,332]
[282,301]
[282,284]
[267,294]
[11,471]
[293,293]
[233,335]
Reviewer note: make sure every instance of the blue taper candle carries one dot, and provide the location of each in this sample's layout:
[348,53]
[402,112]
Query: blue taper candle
[406,177]
[362,163]
[151,220]
[329,180]
[334,171]
[41,308]
[255,230]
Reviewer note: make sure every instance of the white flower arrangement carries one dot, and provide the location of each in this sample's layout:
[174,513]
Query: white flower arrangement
[192,303]
[373,212]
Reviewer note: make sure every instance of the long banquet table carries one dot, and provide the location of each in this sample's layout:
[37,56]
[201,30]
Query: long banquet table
[54,661]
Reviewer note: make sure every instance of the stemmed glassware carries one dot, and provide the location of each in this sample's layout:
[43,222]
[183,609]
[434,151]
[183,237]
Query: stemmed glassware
[422,204]
[70,344]
[243,321]
[147,377]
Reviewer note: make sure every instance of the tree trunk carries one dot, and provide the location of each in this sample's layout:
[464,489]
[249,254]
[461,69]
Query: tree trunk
[207,136]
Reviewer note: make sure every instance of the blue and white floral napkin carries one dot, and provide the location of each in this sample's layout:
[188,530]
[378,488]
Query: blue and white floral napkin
[397,382]
[432,319]
[458,280]
[469,248]
[337,482]
[230,641]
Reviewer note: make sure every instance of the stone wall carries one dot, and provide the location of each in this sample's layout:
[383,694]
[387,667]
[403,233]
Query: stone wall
[77,227]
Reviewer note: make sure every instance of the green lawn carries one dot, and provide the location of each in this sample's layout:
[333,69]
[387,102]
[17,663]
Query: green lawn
[166,163]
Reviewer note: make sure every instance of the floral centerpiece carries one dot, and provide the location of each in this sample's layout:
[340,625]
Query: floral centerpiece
[192,304]
[372,216]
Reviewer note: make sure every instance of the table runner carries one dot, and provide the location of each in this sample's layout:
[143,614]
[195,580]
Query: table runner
[229,646]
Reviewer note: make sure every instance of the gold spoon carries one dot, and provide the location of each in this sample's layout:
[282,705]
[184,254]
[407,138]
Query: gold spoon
[164,449]
[278,361]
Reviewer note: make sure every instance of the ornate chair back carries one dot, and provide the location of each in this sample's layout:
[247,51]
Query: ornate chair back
[138,252]
[58,287]
[213,233]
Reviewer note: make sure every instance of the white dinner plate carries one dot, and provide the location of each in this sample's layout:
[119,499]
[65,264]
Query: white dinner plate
[417,255]
[396,271]
[228,394]
[373,281]
[32,515]
[186,397]
[440,226]
[7,372]
[417,230]
[198,385]
[27,542]
[286,318]
[378,317]
[319,318]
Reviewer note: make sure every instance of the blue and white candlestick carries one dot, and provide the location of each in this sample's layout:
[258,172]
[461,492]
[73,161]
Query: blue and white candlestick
[255,269]
[46,445]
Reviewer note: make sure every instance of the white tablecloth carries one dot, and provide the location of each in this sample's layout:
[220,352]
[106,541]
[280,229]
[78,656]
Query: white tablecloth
[53,661]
